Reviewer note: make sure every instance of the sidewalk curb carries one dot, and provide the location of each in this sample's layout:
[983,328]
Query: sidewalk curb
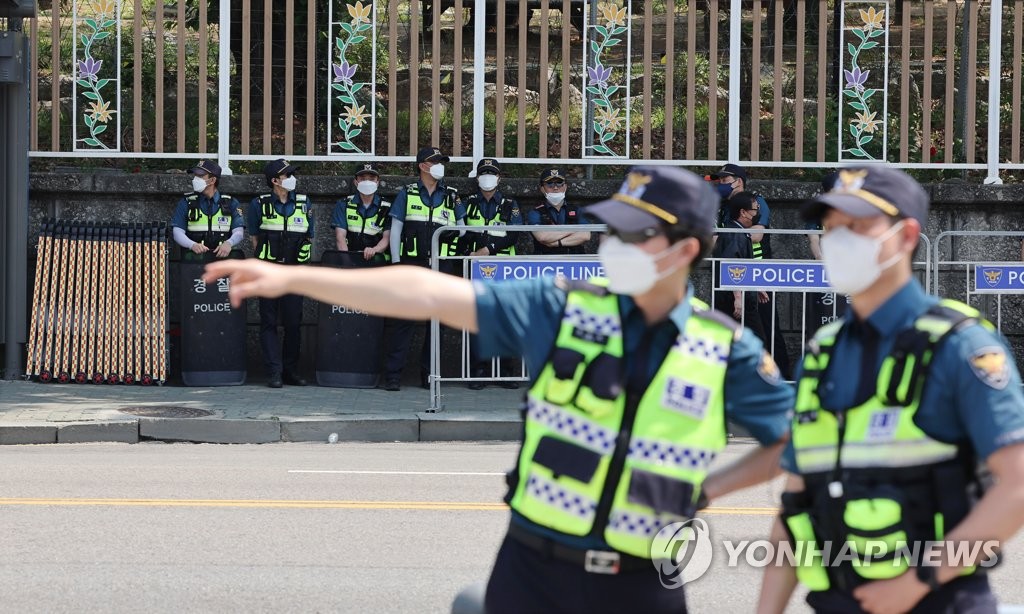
[419,426]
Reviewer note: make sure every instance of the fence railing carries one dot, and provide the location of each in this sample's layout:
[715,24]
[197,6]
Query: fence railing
[933,84]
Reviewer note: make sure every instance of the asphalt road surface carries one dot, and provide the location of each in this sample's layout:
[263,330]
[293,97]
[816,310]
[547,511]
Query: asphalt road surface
[292,527]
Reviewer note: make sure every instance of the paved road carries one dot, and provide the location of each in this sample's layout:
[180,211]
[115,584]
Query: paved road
[295,527]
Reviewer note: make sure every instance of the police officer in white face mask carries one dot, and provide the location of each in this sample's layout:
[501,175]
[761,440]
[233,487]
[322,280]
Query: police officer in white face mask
[554,211]
[362,222]
[207,220]
[633,381]
[898,402]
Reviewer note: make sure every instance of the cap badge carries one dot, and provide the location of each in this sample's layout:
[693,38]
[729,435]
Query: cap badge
[850,181]
[635,184]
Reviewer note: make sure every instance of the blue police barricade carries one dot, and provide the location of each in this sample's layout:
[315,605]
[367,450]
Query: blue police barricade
[212,333]
[349,342]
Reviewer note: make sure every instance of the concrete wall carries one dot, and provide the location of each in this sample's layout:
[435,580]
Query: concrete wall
[123,197]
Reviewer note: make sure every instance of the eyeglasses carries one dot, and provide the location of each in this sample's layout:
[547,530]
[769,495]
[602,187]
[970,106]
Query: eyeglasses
[557,183]
[635,236]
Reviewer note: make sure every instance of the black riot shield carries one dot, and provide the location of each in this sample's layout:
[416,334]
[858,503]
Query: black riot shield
[213,349]
[349,342]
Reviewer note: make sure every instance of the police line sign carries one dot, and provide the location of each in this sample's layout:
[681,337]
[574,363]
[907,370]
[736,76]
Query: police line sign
[504,269]
[791,275]
[999,279]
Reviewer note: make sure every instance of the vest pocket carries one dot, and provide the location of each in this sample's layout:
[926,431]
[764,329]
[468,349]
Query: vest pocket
[663,494]
[566,364]
[875,533]
[600,385]
[565,458]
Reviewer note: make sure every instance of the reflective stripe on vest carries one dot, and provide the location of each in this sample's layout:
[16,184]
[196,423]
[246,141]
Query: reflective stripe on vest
[575,411]
[198,221]
[369,226]
[863,456]
[421,221]
[475,217]
[285,234]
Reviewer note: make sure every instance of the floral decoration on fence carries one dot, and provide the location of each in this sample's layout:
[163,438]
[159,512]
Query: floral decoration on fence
[351,123]
[868,121]
[99,24]
[602,85]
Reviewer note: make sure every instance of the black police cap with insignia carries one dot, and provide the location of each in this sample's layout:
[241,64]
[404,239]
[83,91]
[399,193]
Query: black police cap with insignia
[206,167]
[431,154]
[867,191]
[278,167]
[488,165]
[366,168]
[660,195]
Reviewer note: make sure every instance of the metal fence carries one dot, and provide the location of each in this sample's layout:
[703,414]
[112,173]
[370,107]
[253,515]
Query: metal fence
[776,83]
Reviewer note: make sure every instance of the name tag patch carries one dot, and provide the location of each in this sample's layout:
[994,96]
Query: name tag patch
[592,336]
[686,397]
[882,424]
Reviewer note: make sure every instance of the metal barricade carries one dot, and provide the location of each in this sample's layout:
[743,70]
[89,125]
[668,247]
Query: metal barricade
[495,269]
[792,283]
[794,298]
[984,269]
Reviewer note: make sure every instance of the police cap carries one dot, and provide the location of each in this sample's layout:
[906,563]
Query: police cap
[278,167]
[488,165]
[206,167]
[659,195]
[431,154]
[366,168]
[867,191]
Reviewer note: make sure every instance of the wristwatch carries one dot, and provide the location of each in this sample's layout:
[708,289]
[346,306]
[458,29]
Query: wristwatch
[929,575]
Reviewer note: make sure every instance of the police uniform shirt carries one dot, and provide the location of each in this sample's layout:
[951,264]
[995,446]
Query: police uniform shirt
[534,217]
[522,318]
[433,200]
[367,212]
[285,209]
[209,207]
[973,391]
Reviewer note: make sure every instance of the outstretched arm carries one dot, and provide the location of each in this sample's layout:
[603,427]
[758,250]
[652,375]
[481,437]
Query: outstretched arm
[407,292]
[757,466]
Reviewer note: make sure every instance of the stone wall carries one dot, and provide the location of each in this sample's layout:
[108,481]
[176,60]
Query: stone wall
[122,197]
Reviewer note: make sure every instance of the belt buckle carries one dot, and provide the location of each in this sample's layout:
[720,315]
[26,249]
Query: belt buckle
[599,561]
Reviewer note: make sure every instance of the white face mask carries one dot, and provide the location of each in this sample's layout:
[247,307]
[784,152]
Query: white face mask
[437,171]
[555,198]
[367,187]
[851,259]
[487,183]
[289,183]
[629,269]
[198,184]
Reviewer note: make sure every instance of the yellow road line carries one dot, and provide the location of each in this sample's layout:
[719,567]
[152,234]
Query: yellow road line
[299,504]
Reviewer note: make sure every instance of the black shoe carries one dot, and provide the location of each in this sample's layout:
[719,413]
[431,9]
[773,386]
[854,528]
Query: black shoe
[510,385]
[294,380]
[477,385]
[275,381]
[392,386]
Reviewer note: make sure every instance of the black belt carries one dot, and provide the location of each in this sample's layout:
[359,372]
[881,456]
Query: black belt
[592,561]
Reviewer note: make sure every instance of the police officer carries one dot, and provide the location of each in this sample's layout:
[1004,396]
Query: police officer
[897,403]
[489,207]
[732,179]
[362,222]
[420,209]
[206,220]
[281,227]
[554,211]
[633,382]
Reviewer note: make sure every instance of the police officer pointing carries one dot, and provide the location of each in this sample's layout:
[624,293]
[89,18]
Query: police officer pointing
[281,228]
[897,403]
[633,382]
[205,219]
